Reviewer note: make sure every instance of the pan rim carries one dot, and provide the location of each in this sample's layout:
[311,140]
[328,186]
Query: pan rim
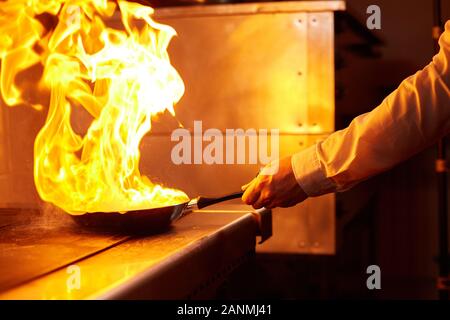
[131,211]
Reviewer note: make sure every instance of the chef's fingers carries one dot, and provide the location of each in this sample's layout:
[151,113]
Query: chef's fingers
[266,198]
[251,194]
[261,203]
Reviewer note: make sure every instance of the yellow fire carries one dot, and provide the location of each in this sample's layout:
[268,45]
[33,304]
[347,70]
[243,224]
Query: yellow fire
[121,76]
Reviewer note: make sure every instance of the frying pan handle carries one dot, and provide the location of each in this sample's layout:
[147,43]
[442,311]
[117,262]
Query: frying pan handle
[203,202]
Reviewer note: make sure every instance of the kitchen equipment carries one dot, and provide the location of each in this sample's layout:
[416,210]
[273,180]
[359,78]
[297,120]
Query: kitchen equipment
[191,261]
[148,220]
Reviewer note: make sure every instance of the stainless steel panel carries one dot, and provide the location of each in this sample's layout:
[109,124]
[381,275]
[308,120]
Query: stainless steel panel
[18,129]
[252,8]
[307,228]
[256,71]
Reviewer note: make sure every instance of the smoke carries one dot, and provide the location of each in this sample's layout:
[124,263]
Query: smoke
[52,217]
[44,218]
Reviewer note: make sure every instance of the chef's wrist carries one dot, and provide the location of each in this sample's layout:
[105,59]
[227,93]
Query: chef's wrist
[309,173]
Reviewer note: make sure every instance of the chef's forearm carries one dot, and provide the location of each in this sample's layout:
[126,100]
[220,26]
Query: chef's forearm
[411,118]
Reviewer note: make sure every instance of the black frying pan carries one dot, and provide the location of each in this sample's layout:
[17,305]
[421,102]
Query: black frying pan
[148,220]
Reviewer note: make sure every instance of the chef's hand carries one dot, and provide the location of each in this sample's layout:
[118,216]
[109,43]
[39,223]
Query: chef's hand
[274,188]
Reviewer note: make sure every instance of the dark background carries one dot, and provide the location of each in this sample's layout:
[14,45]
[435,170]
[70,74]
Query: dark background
[390,220]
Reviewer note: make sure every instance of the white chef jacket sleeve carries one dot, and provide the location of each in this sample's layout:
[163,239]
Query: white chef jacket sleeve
[411,118]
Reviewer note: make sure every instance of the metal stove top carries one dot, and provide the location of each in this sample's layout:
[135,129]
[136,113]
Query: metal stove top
[35,252]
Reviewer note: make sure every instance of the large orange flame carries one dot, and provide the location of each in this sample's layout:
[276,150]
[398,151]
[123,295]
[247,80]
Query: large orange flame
[122,77]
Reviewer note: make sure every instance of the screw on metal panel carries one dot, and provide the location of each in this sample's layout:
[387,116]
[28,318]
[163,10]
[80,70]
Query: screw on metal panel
[301,244]
[316,244]
[299,73]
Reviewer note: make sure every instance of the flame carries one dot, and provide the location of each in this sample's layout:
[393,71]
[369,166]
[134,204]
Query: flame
[122,77]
